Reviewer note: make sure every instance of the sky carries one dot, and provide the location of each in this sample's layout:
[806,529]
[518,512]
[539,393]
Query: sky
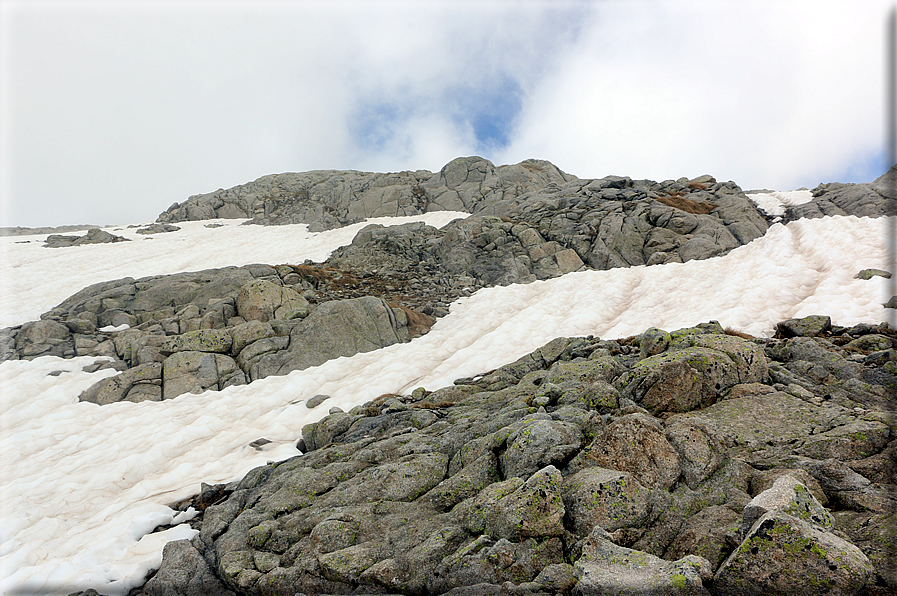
[81,493]
[110,111]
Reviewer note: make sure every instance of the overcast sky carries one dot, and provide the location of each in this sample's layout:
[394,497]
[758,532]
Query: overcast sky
[112,111]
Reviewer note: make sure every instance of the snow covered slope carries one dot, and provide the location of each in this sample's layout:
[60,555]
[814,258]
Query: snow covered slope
[83,485]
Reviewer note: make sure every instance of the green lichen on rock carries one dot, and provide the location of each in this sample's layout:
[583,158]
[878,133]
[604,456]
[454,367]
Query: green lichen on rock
[781,552]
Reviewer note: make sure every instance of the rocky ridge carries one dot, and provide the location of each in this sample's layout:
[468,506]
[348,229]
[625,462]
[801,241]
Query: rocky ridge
[871,199]
[610,222]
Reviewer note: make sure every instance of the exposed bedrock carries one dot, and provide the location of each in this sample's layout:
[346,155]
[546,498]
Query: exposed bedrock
[555,220]
[517,482]
[869,199]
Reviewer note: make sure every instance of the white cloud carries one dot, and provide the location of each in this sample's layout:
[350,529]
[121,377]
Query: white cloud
[766,94]
[112,111]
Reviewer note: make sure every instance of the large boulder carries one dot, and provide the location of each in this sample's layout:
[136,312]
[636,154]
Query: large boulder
[336,328]
[184,572]
[262,300]
[809,326]
[195,372]
[247,333]
[787,495]
[93,236]
[606,498]
[706,534]
[635,443]
[534,510]
[44,338]
[701,450]
[787,539]
[606,568]
[781,552]
[533,444]
[140,383]
[762,420]
[693,372]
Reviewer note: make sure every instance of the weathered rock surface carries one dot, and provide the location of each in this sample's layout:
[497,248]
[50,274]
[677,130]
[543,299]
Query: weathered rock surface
[486,488]
[787,542]
[93,236]
[532,222]
[157,228]
[607,568]
[544,222]
[327,199]
[872,199]
[690,461]
[24,231]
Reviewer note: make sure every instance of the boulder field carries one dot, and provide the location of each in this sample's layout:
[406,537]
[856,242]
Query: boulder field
[690,462]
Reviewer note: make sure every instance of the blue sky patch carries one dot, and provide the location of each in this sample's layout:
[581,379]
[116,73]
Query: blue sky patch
[373,125]
[864,170]
[490,108]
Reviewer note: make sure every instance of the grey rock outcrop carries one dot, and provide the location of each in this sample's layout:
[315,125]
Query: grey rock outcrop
[607,568]
[546,222]
[93,236]
[327,198]
[157,228]
[195,372]
[23,231]
[184,572]
[485,488]
[871,199]
[333,329]
[787,541]
[141,383]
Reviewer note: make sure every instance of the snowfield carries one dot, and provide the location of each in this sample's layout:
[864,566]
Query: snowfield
[83,486]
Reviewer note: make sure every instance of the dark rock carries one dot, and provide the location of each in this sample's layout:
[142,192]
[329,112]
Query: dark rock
[655,464]
[93,236]
[184,572]
[316,401]
[44,338]
[653,342]
[810,326]
[605,568]
[606,498]
[875,199]
[870,273]
[704,535]
[158,229]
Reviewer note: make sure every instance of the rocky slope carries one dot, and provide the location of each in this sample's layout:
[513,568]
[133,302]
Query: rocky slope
[691,462]
[872,199]
[610,222]
[329,198]
[216,328]
[688,462]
